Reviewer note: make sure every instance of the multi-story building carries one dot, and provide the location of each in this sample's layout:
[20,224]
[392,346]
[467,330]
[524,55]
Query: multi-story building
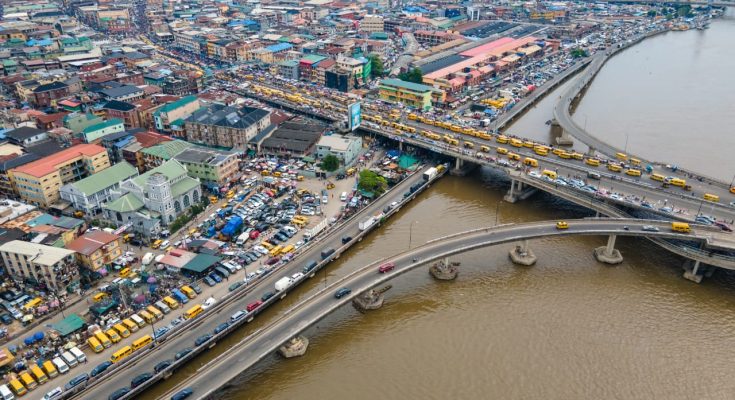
[226,126]
[147,203]
[155,155]
[122,110]
[353,65]
[38,182]
[89,194]
[209,165]
[409,93]
[175,111]
[49,93]
[52,268]
[25,136]
[128,93]
[372,23]
[346,148]
[97,249]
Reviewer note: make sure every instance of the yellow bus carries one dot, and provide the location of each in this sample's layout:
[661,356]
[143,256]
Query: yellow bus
[501,150]
[17,387]
[592,161]
[132,326]
[155,312]
[37,372]
[621,156]
[501,139]
[171,303]
[658,177]
[268,245]
[193,312]
[614,167]
[711,197]
[514,156]
[529,144]
[147,317]
[530,162]
[635,161]
[678,182]
[103,339]
[142,342]
[682,227]
[95,345]
[122,330]
[565,155]
[50,369]
[289,248]
[112,334]
[189,292]
[28,380]
[275,251]
[452,141]
[412,117]
[549,173]
[469,145]
[633,172]
[577,156]
[484,149]
[516,143]
[541,151]
[120,354]
[32,304]
[557,151]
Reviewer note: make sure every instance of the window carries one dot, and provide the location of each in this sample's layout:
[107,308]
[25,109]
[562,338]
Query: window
[177,206]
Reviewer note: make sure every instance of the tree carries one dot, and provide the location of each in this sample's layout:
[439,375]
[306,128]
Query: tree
[413,75]
[372,182]
[652,13]
[330,163]
[578,53]
[377,69]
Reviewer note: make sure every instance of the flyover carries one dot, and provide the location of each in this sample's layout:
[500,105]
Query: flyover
[180,339]
[713,3]
[563,115]
[633,186]
[266,340]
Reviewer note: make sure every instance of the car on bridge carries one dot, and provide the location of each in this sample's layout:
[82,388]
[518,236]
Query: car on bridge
[562,225]
[140,379]
[119,393]
[342,293]
[182,394]
[162,365]
[386,267]
[649,228]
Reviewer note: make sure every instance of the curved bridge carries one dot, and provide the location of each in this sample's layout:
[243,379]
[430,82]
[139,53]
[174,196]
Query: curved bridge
[268,339]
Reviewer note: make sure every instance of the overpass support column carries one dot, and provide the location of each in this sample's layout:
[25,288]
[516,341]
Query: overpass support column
[694,273]
[444,270]
[609,254]
[522,254]
[370,300]
[295,347]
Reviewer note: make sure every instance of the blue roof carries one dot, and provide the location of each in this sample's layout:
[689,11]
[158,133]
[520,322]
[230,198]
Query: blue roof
[279,47]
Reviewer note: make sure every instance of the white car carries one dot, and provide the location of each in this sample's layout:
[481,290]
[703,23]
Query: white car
[209,303]
[297,276]
[261,249]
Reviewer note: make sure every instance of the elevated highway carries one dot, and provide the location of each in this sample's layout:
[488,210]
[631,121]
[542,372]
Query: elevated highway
[268,339]
[713,3]
[638,187]
[563,115]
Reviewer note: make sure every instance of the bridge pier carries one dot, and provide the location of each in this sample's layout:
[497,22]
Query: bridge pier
[522,254]
[444,270]
[609,254]
[518,191]
[400,146]
[560,136]
[370,300]
[462,168]
[295,347]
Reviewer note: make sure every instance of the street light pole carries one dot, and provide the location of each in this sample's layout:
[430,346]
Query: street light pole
[410,233]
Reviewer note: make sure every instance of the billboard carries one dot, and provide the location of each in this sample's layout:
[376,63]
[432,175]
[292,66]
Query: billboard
[354,115]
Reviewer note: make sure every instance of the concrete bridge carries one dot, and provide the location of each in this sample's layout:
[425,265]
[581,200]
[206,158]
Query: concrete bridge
[713,3]
[265,341]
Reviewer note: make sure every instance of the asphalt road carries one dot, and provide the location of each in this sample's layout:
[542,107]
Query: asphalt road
[267,339]
[171,346]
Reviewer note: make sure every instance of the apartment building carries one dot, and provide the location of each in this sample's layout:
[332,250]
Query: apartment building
[409,93]
[39,265]
[97,249]
[38,182]
[175,111]
[209,165]
[226,126]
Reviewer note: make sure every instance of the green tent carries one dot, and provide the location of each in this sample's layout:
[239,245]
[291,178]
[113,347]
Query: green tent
[69,325]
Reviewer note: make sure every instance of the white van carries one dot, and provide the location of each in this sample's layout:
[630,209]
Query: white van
[5,393]
[78,354]
[60,365]
[69,359]
[343,196]
[163,307]
[229,267]
[54,394]
[237,315]
[138,320]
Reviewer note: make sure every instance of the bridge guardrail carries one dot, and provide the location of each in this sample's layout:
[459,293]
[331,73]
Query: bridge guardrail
[250,315]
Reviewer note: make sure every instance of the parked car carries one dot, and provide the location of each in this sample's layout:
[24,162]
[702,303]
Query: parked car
[182,394]
[162,365]
[100,368]
[181,354]
[140,379]
[202,339]
[342,293]
[221,327]
[119,393]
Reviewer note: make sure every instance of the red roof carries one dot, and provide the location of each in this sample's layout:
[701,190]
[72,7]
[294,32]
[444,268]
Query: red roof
[148,139]
[47,165]
[48,118]
[485,47]
[91,242]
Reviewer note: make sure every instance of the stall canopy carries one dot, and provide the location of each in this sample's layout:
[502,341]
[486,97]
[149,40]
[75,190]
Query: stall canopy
[69,325]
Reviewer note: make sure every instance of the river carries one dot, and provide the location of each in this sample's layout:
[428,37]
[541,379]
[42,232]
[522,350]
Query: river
[568,327]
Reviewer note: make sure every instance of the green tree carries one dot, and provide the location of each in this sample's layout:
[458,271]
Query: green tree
[578,53]
[377,69]
[330,163]
[372,182]
[684,11]
[652,14]
[413,75]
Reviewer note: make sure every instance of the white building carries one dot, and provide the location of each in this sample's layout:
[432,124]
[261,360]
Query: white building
[372,23]
[40,264]
[346,148]
[89,194]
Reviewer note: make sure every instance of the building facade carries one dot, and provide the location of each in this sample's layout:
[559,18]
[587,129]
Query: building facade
[51,267]
[97,249]
[409,93]
[346,148]
[226,126]
[171,112]
[209,165]
[89,194]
